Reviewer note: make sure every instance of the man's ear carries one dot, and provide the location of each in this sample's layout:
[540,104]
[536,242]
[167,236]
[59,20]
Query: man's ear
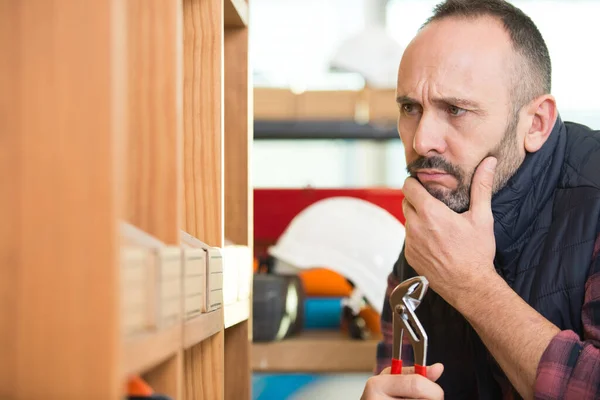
[543,114]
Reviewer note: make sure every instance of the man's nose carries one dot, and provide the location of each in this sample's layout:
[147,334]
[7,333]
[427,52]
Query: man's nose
[430,136]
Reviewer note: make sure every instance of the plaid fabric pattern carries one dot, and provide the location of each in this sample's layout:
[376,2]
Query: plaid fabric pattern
[568,369]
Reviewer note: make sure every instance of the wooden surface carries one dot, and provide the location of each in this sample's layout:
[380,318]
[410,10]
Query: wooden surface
[237,312]
[315,352]
[238,205]
[167,378]
[94,119]
[203,139]
[201,327]
[154,118]
[368,105]
[58,274]
[144,351]
[237,362]
[236,13]
[238,140]
[204,369]
[203,169]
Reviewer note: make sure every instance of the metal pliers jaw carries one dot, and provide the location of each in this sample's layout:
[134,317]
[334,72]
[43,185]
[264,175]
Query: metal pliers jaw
[405,298]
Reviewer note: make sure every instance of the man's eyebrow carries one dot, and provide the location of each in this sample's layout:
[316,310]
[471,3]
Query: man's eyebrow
[406,100]
[455,101]
[458,102]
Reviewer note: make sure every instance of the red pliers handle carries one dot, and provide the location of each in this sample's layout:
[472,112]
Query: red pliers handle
[397,368]
[404,300]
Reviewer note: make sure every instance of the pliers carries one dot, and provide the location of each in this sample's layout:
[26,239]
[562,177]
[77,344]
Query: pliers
[405,298]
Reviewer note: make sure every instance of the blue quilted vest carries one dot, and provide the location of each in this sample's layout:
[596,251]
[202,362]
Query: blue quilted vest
[546,221]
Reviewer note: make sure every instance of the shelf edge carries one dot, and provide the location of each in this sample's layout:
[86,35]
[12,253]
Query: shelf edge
[314,355]
[145,351]
[202,327]
[236,312]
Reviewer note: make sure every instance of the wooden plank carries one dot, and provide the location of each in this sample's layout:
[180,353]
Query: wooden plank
[330,104]
[204,369]
[200,328]
[237,361]
[58,245]
[238,205]
[203,169]
[155,129]
[274,104]
[11,153]
[315,352]
[154,117]
[382,105]
[367,105]
[145,351]
[203,130]
[238,139]
[161,376]
[236,13]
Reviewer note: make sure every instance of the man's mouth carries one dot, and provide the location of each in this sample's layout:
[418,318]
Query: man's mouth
[435,176]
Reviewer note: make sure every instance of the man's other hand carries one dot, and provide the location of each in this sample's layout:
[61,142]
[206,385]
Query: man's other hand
[406,386]
[453,251]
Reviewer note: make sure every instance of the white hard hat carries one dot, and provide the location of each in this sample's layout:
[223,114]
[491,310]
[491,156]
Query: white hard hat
[353,237]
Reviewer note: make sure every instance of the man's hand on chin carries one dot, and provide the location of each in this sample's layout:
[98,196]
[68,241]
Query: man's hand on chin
[454,251]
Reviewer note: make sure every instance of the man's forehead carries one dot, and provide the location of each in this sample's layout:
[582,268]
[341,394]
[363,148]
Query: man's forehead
[459,56]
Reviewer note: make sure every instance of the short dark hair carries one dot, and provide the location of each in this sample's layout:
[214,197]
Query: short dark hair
[526,40]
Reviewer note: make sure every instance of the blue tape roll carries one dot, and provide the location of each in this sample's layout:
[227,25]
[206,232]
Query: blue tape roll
[322,312]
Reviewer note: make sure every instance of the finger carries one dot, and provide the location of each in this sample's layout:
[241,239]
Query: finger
[433,371]
[409,386]
[386,371]
[416,194]
[482,186]
[408,209]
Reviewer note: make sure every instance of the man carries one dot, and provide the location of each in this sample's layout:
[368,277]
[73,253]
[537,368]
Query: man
[502,215]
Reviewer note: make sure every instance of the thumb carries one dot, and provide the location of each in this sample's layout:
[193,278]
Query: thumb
[482,186]
[435,371]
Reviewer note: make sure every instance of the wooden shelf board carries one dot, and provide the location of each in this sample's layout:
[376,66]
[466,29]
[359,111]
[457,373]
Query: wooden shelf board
[318,351]
[237,312]
[145,351]
[202,327]
[235,13]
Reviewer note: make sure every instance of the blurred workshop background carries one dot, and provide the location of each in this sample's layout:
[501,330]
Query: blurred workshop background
[327,170]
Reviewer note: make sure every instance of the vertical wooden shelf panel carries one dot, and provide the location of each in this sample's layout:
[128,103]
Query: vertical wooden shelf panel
[238,195]
[203,138]
[58,245]
[154,91]
[154,118]
[238,139]
[203,169]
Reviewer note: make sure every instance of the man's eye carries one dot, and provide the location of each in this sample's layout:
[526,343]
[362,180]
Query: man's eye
[456,111]
[409,108]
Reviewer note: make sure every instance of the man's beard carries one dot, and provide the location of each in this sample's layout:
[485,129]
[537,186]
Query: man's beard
[459,198]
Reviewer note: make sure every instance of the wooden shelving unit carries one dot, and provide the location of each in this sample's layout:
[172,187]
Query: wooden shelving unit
[315,352]
[364,106]
[114,112]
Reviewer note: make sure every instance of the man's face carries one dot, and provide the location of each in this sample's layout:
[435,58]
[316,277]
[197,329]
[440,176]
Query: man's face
[454,95]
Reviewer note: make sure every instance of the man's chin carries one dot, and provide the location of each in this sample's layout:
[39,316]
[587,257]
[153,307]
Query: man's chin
[452,199]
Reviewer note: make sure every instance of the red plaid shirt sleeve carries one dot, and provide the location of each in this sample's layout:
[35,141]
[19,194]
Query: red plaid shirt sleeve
[384,347]
[570,367]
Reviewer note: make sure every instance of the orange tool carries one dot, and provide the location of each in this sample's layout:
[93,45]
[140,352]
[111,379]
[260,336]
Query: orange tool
[405,298]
